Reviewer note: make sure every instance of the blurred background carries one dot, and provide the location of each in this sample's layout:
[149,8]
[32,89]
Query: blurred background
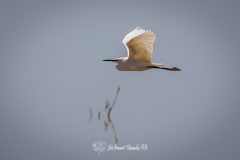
[52,73]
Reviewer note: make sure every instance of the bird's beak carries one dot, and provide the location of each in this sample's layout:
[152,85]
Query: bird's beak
[110,60]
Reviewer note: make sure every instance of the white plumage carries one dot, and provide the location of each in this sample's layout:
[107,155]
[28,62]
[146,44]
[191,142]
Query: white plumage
[139,44]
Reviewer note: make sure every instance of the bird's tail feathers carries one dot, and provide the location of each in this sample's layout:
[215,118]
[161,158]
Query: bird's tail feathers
[160,65]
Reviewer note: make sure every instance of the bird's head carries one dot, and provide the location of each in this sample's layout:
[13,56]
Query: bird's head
[117,60]
[120,63]
[111,60]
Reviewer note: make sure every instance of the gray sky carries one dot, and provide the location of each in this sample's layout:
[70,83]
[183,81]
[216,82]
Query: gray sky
[51,73]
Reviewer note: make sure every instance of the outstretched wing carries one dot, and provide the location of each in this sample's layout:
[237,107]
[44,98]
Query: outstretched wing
[139,44]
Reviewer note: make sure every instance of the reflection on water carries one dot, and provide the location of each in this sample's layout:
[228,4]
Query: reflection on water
[90,115]
[109,121]
[99,115]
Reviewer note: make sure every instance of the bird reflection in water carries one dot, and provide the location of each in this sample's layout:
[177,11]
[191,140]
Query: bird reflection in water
[109,121]
[90,115]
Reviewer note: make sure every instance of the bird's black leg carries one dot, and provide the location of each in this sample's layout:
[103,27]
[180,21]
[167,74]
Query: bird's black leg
[170,69]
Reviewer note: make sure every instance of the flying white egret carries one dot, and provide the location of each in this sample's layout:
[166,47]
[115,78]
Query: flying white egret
[139,44]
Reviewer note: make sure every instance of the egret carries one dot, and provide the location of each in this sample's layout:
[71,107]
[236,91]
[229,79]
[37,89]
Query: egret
[139,44]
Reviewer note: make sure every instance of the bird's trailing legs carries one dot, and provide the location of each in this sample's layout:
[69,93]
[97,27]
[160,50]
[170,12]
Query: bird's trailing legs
[170,69]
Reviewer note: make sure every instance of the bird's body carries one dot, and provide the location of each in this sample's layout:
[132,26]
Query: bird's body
[139,44]
[125,64]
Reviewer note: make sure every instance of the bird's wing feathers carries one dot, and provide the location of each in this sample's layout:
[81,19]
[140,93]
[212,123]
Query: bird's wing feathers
[136,32]
[139,44]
